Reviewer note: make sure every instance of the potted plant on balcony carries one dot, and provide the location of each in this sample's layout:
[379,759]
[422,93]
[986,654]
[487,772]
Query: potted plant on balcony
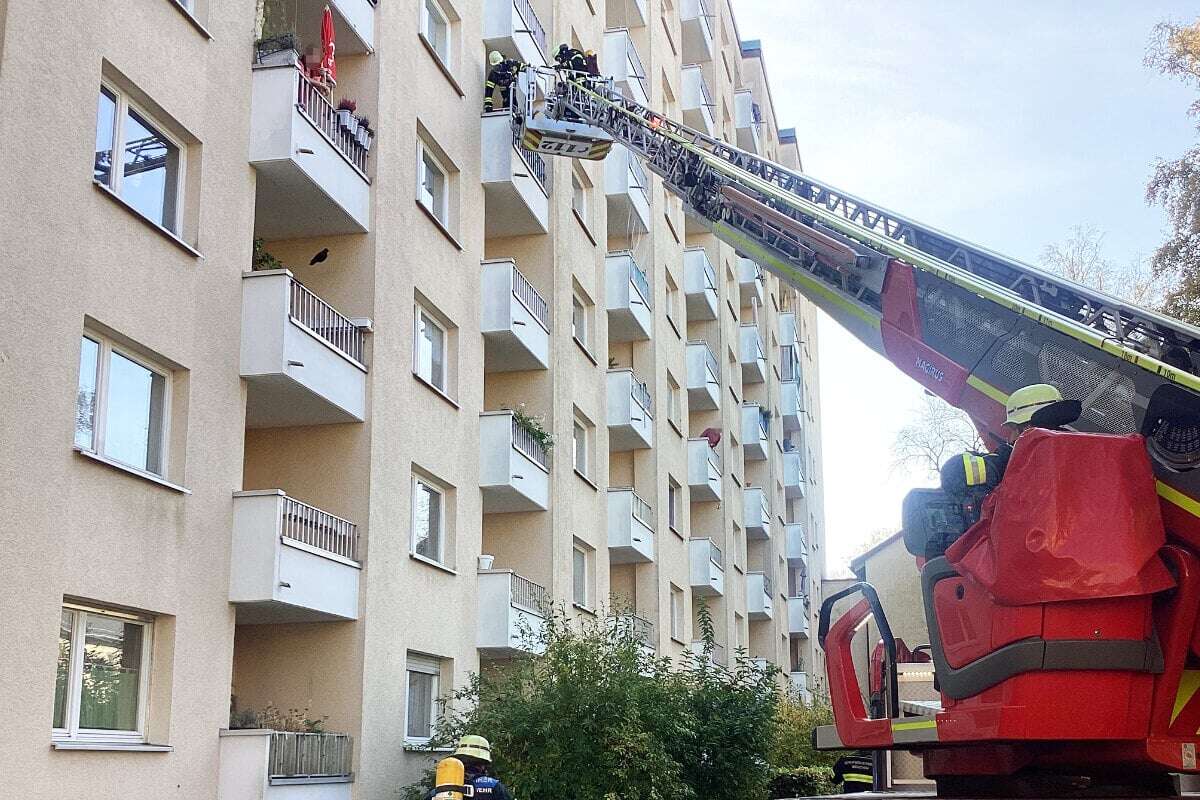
[365,134]
[346,119]
[534,426]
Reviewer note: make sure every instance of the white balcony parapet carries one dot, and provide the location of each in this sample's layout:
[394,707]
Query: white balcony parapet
[752,282]
[628,297]
[622,62]
[627,13]
[716,656]
[696,101]
[695,21]
[798,617]
[789,405]
[630,528]
[512,27]
[751,354]
[699,285]
[284,765]
[511,612]
[796,545]
[630,412]
[704,471]
[748,120]
[756,434]
[760,599]
[756,515]
[793,474]
[291,562]
[514,180]
[708,567]
[304,363]
[514,320]
[514,469]
[312,178]
[627,193]
[703,377]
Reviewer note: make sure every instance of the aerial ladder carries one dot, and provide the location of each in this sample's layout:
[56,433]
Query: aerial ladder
[1096,689]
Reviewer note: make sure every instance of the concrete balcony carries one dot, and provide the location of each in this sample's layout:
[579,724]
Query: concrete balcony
[752,282]
[629,299]
[514,320]
[640,629]
[627,13]
[751,354]
[788,332]
[793,475]
[789,405]
[796,545]
[512,27]
[756,436]
[760,597]
[716,657]
[697,102]
[511,610]
[304,363]
[622,62]
[627,193]
[291,562]
[756,513]
[514,470]
[747,119]
[798,617]
[516,199]
[696,25]
[630,528]
[630,412]
[284,765]
[311,174]
[699,285]
[703,377]
[708,567]
[798,682]
[704,471]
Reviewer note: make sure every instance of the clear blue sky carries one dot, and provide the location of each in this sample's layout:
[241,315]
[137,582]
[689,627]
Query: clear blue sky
[1004,123]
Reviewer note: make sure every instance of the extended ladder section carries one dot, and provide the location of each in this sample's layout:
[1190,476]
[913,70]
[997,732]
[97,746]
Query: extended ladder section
[968,324]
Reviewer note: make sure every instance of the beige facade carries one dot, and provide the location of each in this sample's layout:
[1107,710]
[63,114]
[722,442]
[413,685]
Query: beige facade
[235,491]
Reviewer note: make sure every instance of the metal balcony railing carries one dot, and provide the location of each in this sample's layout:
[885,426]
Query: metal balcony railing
[715,555]
[316,528]
[641,395]
[524,442]
[321,113]
[310,755]
[319,317]
[714,458]
[767,585]
[529,297]
[525,9]
[639,628]
[642,511]
[789,363]
[528,595]
[639,279]
[536,164]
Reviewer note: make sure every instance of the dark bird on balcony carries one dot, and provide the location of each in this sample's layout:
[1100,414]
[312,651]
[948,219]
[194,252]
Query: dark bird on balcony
[319,257]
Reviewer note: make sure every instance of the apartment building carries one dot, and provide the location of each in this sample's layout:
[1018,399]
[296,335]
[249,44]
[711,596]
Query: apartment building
[310,474]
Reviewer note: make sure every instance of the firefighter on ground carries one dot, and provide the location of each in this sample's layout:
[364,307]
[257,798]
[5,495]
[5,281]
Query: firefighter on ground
[501,76]
[476,755]
[855,772]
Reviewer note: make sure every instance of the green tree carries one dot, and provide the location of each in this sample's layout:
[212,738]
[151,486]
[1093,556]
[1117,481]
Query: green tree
[795,721]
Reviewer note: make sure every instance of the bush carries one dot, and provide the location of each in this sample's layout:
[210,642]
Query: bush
[802,782]
[795,721]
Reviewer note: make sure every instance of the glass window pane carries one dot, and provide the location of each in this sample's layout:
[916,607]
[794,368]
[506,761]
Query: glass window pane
[421,690]
[427,521]
[106,120]
[436,30]
[579,577]
[65,629]
[580,441]
[112,674]
[133,416]
[433,186]
[151,169]
[85,398]
[431,351]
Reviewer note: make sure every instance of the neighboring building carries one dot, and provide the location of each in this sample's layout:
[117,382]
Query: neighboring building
[234,490]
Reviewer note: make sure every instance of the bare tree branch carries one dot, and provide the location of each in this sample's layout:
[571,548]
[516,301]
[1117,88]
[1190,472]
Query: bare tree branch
[937,432]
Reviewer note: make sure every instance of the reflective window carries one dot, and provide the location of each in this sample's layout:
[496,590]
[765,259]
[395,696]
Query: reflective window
[579,439]
[106,121]
[435,27]
[102,675]
[579,577]
[85,398]
[148,178]
[432,188]
[427,520]
[423,675]
[431,350]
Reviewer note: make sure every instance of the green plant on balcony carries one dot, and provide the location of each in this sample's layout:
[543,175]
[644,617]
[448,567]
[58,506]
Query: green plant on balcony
[534,426]
[295,720]
[262,258]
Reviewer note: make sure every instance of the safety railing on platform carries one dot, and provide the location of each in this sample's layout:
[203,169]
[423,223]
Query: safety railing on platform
[529,297]
[642,511]
[316,528]
[322,319]
[528,595]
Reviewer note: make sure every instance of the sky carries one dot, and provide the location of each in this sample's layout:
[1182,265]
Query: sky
[1005,124]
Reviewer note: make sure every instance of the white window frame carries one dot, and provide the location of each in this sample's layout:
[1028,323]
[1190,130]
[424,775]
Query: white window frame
[115,176]
[106,347]
[425,665]
[579,441]
[580,325]
[578,550]
[676,611]
[674,493]
[442,213]
[579,198]
[674,402]
[445,20]
[440,557]
[72,731]
[431,319]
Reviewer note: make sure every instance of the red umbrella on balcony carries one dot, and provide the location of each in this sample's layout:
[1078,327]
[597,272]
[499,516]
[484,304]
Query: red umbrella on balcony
[328,66]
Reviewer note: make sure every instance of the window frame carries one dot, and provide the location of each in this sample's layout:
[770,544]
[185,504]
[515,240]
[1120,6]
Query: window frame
[674,506]
[448,55]
[423,313]
[676,611]
[579,197]
[123,105]
[440,558]
[423,665]
[580,551]
[579,441]
[442,214]
[72,732]
[577,304]
[106,346]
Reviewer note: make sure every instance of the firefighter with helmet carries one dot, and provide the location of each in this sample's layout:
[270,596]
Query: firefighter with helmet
[571,59]
[501,76]
[475,753]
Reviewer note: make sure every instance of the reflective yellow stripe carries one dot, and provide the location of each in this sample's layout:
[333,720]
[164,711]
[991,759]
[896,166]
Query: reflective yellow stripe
[986,388]
[1173,495]
[914,726]
[857,777]
[975,469]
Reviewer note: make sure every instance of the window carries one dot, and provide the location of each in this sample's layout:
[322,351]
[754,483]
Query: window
[121,406]
[435,28]
[672,302]
[136,160]
[430,350]
[674,403]
[579,320]
[676,613]
[674,501]
[428,537]
[579,197]
[581,575]
[432,185]
[579,438]
[739,631]
[424,674]
[103,676]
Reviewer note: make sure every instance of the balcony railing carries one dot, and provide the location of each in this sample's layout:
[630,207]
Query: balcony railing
[316,528]
[523,440]
[641,395]
[310,755]
[639,628]
[528,296]
[525,9]
[642,511]
[528,595]
[714,458]
[788,363]
[715,555]
[319,317]
[536,164]
[767,585]
[710,361]
[321,113]
[641,281]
